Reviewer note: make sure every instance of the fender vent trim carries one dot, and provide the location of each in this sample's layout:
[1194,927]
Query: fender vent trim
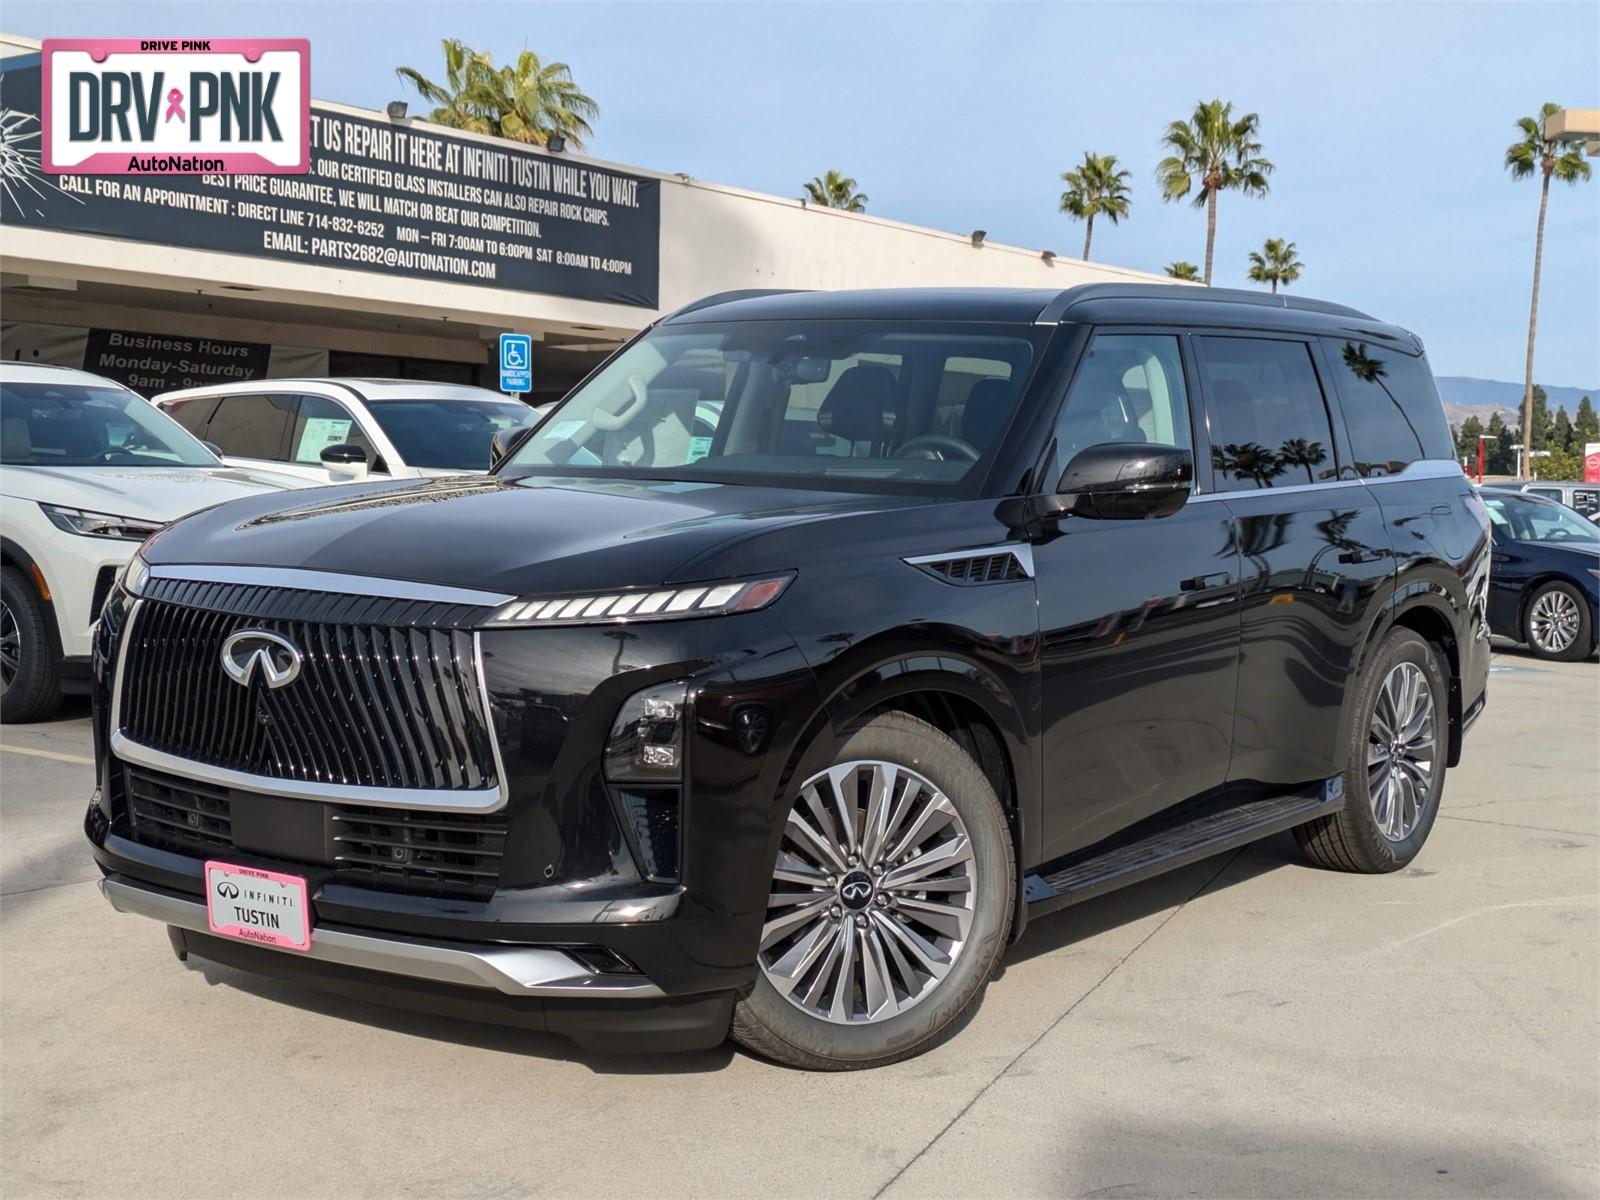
[987,564]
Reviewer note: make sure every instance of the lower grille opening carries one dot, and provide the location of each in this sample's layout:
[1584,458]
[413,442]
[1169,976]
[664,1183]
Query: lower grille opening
[177,814]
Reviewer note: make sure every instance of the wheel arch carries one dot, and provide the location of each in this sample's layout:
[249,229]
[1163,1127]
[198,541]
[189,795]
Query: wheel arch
[1428,611]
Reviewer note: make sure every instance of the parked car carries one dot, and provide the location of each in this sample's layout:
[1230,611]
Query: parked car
[1544,586]
[340,430]
[1582,498]
[88,470]
[975,604]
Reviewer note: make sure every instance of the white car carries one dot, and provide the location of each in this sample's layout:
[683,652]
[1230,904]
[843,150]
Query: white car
[88,470]
[339,430]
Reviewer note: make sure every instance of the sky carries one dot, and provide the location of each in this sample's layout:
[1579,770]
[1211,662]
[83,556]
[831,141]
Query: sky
[1387,123]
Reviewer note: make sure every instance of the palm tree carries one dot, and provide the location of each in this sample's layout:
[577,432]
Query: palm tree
[532,101]
[1275,263]
[834,190]
[1183,270]
[1096,188]
[1537,153]
[1220,153]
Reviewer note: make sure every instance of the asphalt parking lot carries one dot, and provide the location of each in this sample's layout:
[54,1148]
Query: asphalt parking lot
[1247,1027]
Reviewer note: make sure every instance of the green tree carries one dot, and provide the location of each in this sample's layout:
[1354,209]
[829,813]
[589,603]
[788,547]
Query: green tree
[1096,188]
[834,190]
[1498,456]
[1183,270]
[531,101]
[1562,464]
[1585,426]
[1212,152]
[1467,440]
[1561,431]
[1275,263]
[1541,419]
[1535,154]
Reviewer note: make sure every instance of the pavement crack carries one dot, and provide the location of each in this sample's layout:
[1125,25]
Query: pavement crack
[1049,1029]
[1514,825]
[45,887]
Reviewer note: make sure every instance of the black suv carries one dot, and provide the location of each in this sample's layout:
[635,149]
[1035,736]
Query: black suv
[808,650]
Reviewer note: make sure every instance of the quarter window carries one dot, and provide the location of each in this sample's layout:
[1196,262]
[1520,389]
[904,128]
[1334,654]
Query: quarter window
[1268,421]
[1129,389]
[1391,407]
[251,426]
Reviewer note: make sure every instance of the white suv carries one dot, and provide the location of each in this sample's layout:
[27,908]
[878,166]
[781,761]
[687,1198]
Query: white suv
[88,470]
[337,430]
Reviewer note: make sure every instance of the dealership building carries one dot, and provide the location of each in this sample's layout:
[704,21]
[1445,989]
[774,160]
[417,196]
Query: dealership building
[407,249]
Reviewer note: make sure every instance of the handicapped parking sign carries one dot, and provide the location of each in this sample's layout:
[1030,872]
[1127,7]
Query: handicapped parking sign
[516,363]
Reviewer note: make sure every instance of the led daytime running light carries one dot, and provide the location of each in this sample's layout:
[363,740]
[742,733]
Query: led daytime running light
[662,604]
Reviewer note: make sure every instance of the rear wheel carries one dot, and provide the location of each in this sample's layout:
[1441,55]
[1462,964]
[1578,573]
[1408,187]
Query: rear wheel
[890,901]
[1556,623]
[30,689]
[1396,749]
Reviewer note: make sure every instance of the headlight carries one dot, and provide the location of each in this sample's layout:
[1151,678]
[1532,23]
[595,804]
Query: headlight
[104,525]
[644,604]
[134,575]
[646,742]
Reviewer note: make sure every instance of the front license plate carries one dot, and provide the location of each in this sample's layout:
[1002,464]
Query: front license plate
[258,906]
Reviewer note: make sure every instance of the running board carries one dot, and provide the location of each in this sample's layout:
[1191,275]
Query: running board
[1078,878]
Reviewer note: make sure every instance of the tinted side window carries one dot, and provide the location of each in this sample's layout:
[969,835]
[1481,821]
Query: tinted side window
[1268,421]
[193,414]
[251,426]
[1391,407]
[320,423]
[1129,388]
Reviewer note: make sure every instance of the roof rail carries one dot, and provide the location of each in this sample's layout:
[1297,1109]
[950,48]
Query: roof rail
[728,297]
[1058,307]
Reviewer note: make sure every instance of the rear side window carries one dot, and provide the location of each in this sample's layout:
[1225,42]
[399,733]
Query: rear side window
[1391,407]
[251,426]
[1267,417]
[192,414]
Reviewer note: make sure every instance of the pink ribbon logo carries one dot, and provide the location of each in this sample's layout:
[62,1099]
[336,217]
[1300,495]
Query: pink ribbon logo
[175,105]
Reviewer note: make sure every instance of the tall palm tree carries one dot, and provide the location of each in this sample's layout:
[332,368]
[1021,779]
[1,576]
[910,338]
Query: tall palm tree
[1183,270]
[531,101]
[1096,189]
[1219,154]
[834,190]
[1275,263]
[1537,154]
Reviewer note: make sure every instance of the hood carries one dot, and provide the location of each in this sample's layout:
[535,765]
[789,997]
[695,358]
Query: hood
[150,493]
[518,536]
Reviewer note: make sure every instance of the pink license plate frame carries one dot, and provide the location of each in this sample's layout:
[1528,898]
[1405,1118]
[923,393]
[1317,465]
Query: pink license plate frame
[272,884]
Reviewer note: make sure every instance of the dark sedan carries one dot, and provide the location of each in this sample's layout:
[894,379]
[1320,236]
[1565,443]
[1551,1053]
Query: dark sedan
[1544,587]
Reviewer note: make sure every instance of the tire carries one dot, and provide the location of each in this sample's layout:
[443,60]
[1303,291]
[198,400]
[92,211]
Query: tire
[28,675]
[1556,623]
[937,794]
[1381,830]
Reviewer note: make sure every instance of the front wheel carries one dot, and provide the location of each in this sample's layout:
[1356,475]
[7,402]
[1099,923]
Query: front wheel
[30,689]
[1556,623]
[1396,747]
[890,901]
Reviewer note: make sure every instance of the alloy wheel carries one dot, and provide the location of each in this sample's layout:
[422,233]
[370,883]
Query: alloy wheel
[10,647]
[1401,741]
[872,897]
[1553,622]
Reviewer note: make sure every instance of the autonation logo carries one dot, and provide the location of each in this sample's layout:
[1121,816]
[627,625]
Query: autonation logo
[176,107]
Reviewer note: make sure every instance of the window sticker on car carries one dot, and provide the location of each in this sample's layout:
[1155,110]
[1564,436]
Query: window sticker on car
[320,433]
[560,431]
[699,447]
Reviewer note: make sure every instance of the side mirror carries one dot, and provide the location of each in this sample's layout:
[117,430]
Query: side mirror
[345,462]
[507,442]
[1124,481]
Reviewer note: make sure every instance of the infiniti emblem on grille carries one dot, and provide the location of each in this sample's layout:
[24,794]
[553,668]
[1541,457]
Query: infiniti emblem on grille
[252,650]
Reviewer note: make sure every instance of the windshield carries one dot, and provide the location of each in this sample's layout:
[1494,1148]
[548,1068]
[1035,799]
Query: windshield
[73,425]
[843,404]
[1531,521]
[452,435]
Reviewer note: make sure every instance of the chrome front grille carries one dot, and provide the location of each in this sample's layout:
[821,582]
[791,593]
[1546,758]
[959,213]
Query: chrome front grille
[388,696]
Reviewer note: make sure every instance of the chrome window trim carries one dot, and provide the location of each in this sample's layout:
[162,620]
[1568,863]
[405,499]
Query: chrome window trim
[476,800]
[1021,551]
[330,581]
[511,970]
[1422,468]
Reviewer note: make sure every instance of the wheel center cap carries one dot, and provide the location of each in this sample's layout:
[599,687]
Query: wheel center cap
[855,890]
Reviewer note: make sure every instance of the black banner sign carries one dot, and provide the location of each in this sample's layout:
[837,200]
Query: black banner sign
[152,363]
[379,197]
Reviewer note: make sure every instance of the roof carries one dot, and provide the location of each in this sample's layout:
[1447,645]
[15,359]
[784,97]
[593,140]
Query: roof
[21,372]
[360,387]
[1091,303]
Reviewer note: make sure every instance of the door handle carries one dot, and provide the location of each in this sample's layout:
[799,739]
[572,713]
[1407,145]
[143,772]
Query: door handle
[1201,582]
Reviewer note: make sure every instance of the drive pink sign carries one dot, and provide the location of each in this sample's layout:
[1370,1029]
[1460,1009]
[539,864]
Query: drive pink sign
[159,106]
